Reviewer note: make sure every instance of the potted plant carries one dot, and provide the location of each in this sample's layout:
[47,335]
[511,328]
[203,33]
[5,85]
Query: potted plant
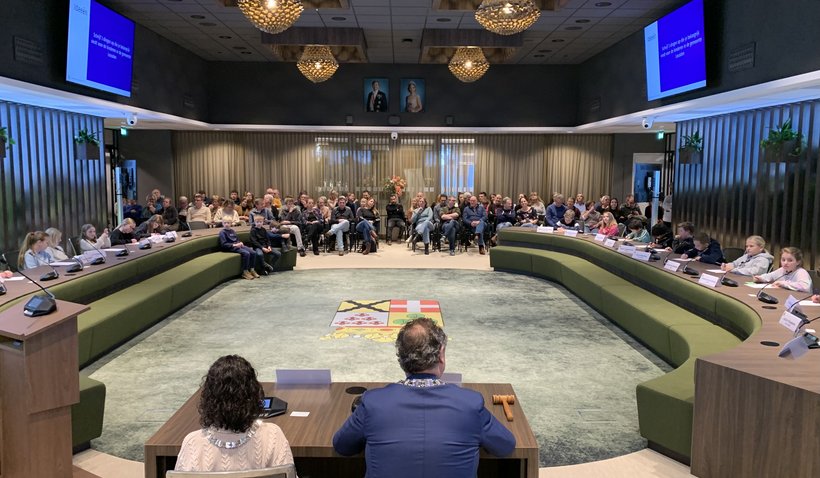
[86,145]
[5,141]
[691,151]
[783,144]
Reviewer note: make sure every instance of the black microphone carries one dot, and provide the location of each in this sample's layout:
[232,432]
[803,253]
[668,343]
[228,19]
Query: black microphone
[767,298]
[144,244]
[53,274]
[76,267]
[39,304]
[804,322]
[690,272]
[97,260]
[123,252]
[794,310]
[186,234]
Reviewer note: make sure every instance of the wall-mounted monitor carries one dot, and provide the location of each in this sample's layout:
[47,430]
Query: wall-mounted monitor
[676,52]
[100,47]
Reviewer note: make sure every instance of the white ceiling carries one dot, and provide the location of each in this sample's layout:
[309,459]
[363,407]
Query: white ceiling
[575,33]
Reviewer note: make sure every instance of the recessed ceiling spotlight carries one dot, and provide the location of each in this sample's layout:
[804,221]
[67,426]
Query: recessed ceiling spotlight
[407,40]
[582,20]
[603,4]
[198,17]
[558,40]
[444,20]
[207,24]
[225,37]
[573,28]
[338,19]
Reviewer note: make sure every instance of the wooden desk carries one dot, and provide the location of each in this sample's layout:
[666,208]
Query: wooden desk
[311,437]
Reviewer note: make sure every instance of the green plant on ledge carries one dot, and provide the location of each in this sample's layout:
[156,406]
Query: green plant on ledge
[693,142]
[784,140]
[84,137]
[4,137]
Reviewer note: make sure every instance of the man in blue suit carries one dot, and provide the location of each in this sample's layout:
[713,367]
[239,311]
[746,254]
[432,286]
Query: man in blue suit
[421,426]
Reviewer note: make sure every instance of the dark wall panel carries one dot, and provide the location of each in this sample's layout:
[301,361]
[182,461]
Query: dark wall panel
[41,184]
[164,72]
[735,192]
[276,93]
[783,33]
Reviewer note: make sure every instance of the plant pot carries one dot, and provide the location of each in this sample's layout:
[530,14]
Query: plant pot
[690,156]
[781,153]
[86,151]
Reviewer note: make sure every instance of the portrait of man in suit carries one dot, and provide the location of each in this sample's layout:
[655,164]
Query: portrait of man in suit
[375,94]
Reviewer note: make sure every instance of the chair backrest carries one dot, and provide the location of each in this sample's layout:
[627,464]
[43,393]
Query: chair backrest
[197,225]
[621,229]
[282,471]
[74,246]
[732,253]
[815,280]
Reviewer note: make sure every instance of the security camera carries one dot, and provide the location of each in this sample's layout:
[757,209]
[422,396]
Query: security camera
[394,136]
[131,120]
[647,122]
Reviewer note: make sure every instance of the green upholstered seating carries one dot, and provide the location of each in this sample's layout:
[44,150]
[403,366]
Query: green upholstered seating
[678,319]
[87,414]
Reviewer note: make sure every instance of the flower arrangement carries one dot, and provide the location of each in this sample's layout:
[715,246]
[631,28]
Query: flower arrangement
[395,185]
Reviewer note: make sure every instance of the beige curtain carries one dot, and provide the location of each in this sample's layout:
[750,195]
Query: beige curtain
[318,163]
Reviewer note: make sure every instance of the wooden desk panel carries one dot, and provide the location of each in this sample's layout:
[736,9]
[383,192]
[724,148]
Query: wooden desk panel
[311,437]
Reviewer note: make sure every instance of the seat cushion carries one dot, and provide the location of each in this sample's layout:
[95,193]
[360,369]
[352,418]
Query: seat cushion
[665,408]
[514,259]
[87,414]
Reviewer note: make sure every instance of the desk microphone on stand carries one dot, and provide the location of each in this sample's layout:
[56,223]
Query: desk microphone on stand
[767,298]
[690,272]
[97,260]
[51,275]
[39,304]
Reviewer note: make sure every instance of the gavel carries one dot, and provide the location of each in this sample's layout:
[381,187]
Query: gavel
[506,401]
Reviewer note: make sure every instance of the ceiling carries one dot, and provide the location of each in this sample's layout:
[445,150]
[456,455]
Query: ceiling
[393,30]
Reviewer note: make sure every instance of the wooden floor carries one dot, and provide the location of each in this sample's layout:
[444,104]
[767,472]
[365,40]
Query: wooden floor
[642,464]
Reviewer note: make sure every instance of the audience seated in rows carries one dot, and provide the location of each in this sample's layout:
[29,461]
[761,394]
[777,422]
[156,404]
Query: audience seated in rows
[395,219]
[340,218]
[422,223]
[474,218]
[555,211]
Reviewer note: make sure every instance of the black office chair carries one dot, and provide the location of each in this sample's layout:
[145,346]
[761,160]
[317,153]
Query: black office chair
[730,254]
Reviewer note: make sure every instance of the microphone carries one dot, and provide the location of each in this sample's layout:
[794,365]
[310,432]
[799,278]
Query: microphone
[690,272]
[144,244]
[39,304]
[76,267]
[767,298]
[187,226]
[97,260]
[794,310]
[53,274]
[122,252]
[804,322]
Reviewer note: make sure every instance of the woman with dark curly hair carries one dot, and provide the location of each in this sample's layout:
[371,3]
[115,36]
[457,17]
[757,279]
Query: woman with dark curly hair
[232,438]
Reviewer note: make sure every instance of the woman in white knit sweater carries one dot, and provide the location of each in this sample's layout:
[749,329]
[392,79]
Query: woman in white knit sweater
[232,438]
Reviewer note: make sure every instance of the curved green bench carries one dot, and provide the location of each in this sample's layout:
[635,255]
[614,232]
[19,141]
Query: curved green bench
[676,318]
[129,298]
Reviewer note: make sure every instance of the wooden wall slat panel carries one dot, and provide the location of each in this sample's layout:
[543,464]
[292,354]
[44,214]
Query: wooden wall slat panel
[735,193]
[41,183]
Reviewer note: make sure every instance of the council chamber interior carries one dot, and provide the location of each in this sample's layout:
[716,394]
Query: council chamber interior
[712,102]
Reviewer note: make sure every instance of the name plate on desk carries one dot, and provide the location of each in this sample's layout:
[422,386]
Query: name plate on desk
[642,255]
[609,242]
[708,280]
[790,321]
[672,266]
[600,237]
[628,250]
[545,229]
[570,233]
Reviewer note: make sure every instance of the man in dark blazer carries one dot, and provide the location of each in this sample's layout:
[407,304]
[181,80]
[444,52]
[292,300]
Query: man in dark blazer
[376,99]
[422,426]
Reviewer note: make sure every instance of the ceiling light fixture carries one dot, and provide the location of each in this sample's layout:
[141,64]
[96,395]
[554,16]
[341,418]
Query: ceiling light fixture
[507,17]
[271,16]
[317,63]
[468,64]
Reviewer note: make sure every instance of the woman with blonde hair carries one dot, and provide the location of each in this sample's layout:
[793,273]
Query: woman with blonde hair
[124,233]
[791,274]
[55,237]
[608,226]
[154,225]
[227,213]
[33,251]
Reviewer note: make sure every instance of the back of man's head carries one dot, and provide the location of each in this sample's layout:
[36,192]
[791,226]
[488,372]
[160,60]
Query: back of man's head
[419,345]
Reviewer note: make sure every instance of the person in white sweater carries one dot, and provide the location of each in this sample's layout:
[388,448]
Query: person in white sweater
[89,241]
[790,275]
[232,438]
[755,261]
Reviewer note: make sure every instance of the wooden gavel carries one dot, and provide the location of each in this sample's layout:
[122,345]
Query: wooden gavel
[506,401]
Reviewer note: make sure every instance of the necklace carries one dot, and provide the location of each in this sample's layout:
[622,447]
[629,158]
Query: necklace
[421,382]
[211,432]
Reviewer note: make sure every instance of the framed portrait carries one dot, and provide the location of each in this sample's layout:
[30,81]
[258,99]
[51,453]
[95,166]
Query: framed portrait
[376,95]
[412,95]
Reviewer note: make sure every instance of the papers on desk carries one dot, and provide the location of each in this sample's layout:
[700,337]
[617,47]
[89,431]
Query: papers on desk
[12,279]
[715,271]
[112,249]
[62,263]
[804,303]
[299,414]
[685,260]
[755,285]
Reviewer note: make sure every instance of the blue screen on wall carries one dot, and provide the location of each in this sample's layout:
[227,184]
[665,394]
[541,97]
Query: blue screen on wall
[100,47]
[676,52]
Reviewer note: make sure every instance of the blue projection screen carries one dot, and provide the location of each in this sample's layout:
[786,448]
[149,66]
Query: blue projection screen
[676,52]
[100,47]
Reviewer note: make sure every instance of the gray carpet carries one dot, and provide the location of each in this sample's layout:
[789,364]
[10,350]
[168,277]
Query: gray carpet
[573,371]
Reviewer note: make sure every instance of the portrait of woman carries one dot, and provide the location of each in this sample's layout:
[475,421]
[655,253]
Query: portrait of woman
[412,98]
